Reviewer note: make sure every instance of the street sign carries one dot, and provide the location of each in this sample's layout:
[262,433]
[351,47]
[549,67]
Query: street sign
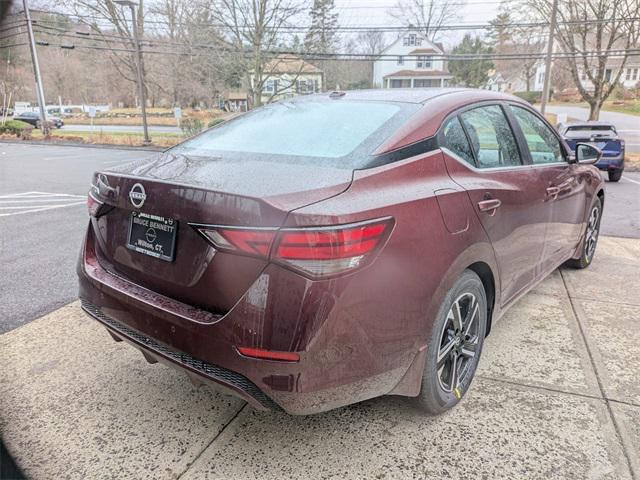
[92,112]
[177,113]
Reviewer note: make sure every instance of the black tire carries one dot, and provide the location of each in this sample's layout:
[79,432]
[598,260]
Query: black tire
[614,175]
[439,392]
[590,240]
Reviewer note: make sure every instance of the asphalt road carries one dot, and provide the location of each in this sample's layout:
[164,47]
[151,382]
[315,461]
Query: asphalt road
[628,126]
[43,218]
[119,129]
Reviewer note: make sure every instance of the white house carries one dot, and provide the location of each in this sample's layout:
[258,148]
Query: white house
[287,76]
[629,78]
[413,64]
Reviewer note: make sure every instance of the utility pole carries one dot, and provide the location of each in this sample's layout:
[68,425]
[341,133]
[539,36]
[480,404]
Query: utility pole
[547,63]
[36,71]
[142,91]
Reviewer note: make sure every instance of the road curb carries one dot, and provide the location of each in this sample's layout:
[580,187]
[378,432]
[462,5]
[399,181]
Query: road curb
[83,145]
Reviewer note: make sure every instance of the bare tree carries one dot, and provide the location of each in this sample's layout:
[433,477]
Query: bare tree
[428,16]
[371,42]
[118,33]
[255,29]
[586,26]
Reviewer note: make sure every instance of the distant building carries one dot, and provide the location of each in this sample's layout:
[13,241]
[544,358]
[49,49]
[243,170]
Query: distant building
[413,65]
[288,76]
[504,82]
[236,101]
[628,79]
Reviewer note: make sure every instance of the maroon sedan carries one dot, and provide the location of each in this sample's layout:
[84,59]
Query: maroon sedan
[321,251]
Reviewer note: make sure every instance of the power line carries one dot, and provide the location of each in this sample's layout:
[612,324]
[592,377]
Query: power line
[361,28]
[289,55]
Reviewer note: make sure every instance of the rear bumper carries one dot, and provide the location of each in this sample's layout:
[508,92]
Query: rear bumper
[219,378]
[611,163]
[340,359]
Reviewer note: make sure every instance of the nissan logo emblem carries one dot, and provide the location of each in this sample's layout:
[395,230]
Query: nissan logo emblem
[137,195]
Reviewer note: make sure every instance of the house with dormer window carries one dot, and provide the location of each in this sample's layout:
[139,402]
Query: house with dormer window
[411,61]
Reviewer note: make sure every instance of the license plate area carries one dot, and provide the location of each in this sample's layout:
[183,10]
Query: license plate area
[152,235]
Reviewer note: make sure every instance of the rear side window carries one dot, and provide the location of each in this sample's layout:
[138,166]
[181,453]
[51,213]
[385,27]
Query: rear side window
[492,140]
[543,144]
[456,140]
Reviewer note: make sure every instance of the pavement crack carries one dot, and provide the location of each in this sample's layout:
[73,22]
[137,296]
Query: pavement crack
[594,366]
[197,457]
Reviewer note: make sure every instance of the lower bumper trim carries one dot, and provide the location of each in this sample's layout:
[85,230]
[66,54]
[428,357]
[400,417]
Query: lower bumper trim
[213,372]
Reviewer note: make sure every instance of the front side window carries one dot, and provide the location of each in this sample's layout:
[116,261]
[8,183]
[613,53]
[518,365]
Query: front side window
[400,60]
[456,141]
[491,138]
[543,144]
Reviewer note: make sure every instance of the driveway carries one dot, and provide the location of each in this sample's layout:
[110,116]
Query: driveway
[627,125]
[557,396]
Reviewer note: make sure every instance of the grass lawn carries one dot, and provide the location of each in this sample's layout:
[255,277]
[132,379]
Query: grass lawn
[112,138]
[630,107]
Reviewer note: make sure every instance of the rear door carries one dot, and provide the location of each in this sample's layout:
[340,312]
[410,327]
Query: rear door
[482,155]
[564,186]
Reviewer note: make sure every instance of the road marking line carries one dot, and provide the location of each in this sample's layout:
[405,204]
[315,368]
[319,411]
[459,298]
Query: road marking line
[37,200]
[628,179]
[41,209]
[20,208]
[39,195]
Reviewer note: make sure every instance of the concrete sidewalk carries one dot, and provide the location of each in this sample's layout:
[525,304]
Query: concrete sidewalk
[557,396]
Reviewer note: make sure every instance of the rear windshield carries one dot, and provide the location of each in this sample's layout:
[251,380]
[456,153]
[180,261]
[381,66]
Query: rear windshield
[336,132]
[588,130]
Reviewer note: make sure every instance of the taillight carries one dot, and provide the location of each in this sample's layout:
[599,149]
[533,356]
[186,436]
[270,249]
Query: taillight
[316,252]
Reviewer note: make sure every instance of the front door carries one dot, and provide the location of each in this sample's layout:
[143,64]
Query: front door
[564,186]
[482,156]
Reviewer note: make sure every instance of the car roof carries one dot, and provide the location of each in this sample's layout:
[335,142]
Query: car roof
[589,123]
[405,95]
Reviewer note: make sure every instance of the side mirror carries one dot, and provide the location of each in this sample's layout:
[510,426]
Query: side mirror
[587,154]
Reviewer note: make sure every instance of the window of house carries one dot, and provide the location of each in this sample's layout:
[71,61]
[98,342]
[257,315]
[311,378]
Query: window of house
[410,40]
[456,140]
[607,75]
[425,83]
[583,75]
[269,86]
[541,77]
[628,74]
[423,61]
[397,83]
[400,60]
[543,145]
[635,74]
[304,86]
[491,138]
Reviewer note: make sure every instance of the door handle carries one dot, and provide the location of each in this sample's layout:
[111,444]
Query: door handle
[553,192]
[490,206]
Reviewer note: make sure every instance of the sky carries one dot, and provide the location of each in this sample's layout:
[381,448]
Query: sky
[376,13]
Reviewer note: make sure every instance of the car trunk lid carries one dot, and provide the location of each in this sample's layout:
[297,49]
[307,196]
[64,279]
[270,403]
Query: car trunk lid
[197,190]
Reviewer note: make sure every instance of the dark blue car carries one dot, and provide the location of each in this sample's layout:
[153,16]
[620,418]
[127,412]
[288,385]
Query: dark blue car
[602,135]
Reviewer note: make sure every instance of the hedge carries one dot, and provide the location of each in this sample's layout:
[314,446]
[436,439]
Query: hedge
[15,127]
[531,97]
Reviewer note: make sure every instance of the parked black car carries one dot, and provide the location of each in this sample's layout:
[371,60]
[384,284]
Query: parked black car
[602,135]
[33,118]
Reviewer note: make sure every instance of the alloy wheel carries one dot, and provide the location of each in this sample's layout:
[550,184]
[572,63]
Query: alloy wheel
[591,237]
[459,341]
